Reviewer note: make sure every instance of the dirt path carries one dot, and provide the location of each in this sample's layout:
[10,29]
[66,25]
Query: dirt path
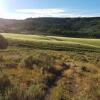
[72,83]
[52,86]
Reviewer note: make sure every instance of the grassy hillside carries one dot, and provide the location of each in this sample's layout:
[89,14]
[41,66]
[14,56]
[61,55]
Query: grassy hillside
[69,27]
[53,42]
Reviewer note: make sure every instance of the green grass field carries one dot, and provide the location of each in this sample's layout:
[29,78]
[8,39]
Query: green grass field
[53,39]
[53,42]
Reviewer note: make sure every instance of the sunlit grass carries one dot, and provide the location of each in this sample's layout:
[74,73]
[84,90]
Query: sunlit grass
[53,39]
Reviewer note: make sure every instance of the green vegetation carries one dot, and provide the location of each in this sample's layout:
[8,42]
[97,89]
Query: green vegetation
[53,43]
[69,27]
[49,68]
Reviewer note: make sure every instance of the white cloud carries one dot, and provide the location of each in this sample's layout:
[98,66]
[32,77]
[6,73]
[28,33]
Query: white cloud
[54,12]
[41,11]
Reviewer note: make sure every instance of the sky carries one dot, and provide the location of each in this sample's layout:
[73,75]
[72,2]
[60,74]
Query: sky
[21,9]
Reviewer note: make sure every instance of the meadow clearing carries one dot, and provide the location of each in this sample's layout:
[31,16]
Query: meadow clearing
[53,42]
[53,39]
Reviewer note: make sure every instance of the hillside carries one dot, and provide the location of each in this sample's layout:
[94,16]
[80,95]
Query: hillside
[70,27]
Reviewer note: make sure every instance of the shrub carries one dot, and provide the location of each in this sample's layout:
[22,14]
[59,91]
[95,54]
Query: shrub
[60,93]
[91,69]
[27,62]
[15,93]
[39,61]
[34,92]
[4,84]
[3,42]
[1,58]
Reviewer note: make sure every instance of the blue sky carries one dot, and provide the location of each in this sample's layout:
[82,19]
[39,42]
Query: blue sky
[21,9]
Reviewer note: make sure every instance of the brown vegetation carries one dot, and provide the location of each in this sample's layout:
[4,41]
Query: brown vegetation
[49,75]
[3,42]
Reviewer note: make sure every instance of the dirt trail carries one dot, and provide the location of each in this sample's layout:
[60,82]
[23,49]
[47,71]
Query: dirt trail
[49,91]
[52,86]
[72,83]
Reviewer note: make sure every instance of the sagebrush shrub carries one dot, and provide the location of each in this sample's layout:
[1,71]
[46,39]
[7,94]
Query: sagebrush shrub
[4,84]
[3,42]
[39,60]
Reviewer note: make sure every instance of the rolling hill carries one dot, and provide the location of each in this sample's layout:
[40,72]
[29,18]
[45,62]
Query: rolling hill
[69,27]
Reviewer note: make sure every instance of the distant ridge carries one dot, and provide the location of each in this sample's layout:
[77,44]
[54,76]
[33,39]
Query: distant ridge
[70,27]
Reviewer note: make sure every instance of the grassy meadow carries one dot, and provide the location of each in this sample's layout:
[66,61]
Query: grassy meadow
[53,42]
[53,39]
[49,68]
